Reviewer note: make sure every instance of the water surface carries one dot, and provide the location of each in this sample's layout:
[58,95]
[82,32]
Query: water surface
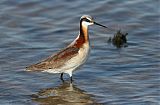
[32,30]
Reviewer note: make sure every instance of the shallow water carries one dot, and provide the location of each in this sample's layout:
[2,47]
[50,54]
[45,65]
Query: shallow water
[32,30]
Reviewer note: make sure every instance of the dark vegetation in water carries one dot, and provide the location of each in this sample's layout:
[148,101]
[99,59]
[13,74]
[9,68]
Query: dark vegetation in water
[119,39]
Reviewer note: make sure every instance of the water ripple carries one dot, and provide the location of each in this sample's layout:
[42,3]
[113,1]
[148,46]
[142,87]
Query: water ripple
[32,30]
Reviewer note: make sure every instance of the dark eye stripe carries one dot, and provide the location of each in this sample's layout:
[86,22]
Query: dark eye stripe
[85,19]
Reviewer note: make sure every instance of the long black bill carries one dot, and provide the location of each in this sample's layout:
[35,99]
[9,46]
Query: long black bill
[100,25]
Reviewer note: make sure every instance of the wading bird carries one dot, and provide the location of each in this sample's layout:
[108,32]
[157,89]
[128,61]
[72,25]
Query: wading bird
[71,57]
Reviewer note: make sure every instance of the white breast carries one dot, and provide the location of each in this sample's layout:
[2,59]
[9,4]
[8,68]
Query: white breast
[79,59]
[74,62]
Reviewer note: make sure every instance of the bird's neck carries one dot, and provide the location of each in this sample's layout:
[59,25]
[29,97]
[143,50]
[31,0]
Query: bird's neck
[84,31]
[83,35]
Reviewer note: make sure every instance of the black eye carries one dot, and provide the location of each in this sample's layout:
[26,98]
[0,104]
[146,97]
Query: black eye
[87,20]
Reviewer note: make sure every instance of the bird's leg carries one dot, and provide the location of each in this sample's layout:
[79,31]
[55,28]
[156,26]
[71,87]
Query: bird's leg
[61,77]
[70,74]
[71,79]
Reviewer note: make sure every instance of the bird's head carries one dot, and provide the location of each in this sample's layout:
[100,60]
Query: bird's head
[88,20]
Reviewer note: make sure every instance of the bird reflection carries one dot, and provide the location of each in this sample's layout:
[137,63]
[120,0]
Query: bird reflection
[65,94]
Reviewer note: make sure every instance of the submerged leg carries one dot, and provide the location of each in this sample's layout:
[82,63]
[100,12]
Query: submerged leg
[61,77]
[70,74]
[71,79]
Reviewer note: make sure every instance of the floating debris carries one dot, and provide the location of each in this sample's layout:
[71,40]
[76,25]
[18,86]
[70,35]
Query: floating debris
[119,40]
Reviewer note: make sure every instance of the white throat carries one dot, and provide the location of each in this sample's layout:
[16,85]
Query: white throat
[85,24]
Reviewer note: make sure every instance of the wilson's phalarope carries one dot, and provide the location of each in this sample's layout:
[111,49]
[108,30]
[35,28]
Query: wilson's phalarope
[71,57]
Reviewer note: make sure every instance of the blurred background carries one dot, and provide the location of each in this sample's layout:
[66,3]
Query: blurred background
[31,30]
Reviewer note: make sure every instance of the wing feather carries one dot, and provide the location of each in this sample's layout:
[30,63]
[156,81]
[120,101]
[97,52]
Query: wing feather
[55,61]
